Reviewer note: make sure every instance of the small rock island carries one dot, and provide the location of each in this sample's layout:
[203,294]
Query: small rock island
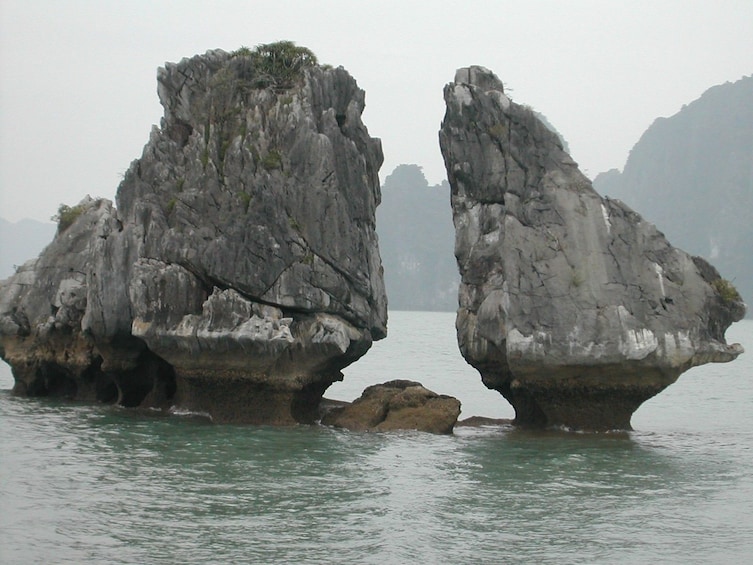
[571,306]
[240,272]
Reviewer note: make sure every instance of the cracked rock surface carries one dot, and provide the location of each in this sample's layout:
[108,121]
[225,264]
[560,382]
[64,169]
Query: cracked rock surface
[571,305]
[240,271]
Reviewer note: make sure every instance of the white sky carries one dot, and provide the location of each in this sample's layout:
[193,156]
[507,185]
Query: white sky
[78,78]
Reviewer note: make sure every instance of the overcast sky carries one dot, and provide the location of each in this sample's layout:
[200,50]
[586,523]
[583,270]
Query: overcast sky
[78,84]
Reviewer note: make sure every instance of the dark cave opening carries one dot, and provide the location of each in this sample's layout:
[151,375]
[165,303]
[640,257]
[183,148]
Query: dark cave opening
[54,381]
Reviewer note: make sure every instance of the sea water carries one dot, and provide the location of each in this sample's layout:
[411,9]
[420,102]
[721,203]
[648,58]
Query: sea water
[100,484]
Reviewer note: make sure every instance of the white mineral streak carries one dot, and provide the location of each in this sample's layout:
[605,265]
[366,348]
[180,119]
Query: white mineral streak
[634,343]
[505,298]
[535,344]
[501,98]
[517,342]
[265,329]
[139,327]
[463,94]
[660,274]
[578,348]
[186,327]
[678,348]
[638,344]
[605,215]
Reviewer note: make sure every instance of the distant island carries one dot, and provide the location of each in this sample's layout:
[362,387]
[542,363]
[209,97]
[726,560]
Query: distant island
[21,241]
[416,241]
[692,175]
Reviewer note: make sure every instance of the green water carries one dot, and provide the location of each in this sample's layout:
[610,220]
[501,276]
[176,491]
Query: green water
[97,484]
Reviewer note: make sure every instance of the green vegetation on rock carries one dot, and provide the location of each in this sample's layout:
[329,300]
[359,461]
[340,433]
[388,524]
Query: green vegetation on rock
[66,216]
[246,200]
[726,290]
[272,160]
[278,65]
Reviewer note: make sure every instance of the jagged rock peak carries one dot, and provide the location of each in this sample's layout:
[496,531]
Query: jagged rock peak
[240,272]
[571,305]
[239,146]
[480,77]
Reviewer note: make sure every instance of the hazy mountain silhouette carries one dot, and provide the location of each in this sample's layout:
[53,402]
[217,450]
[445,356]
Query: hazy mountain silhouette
[692,175]
[21,241]
[544,120]
[417,242]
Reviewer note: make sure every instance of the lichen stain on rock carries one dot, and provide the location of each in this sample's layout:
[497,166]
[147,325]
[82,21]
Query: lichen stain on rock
[240,272]
[571,305]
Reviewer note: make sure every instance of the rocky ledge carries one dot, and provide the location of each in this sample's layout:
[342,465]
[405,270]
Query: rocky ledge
[240,271]
[571,305]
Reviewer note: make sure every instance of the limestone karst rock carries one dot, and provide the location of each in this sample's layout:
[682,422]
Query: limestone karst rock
[571,305]
[240,272]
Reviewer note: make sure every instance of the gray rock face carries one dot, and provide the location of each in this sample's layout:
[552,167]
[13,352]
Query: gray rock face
[242,261]
[571,305]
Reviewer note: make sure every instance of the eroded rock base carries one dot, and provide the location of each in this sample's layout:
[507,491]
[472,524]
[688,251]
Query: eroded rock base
[150,384]
[243,401]
[578,403]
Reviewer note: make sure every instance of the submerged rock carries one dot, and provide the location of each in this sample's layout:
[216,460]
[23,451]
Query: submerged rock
[397,405]
[240,272]
[571,306]
[482,421]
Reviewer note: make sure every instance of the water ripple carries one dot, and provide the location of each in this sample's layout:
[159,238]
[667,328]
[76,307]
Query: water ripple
[89,484]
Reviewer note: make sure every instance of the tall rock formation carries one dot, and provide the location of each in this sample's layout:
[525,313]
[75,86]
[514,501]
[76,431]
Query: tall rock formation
[692,175]
[571,305]
[240,272]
